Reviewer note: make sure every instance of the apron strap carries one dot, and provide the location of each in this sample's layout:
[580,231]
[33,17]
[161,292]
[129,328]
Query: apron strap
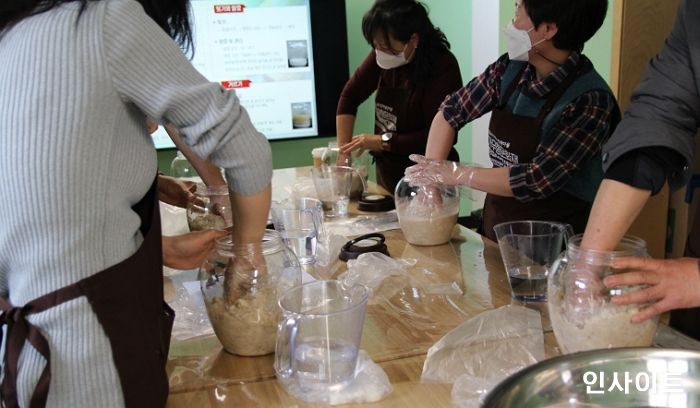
[559,91]
[19,331]
[512,87]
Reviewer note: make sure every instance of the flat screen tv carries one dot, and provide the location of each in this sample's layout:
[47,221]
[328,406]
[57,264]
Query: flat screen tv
[286,60]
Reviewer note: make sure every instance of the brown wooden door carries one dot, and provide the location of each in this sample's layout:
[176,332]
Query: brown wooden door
[639,30]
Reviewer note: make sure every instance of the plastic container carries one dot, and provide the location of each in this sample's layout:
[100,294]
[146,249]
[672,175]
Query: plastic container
[241,285]
[360,163]
[580,308]
[427,214]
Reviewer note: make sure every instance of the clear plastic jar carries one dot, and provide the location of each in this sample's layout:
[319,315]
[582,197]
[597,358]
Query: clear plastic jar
[241,284]
[427,214]
[180,167]
[210,209]
[580,308]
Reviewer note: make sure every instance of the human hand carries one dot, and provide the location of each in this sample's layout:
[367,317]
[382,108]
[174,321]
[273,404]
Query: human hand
[151,125]
[428,171]
[174,191]
[362,142]
[246,270]
[188,251]
[427,197]
[673,284]
[344,160]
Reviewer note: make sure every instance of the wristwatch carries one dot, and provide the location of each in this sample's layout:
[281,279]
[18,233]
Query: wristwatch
[386,140]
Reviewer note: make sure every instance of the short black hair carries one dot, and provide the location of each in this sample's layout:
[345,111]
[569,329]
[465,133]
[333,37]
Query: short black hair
[577,20]
[400,19]
[171,15]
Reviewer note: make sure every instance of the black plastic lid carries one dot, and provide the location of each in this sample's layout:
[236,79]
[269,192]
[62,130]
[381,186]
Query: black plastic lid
[373,242]
[375,203]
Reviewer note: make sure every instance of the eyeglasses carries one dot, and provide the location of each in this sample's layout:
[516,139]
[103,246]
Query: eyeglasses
[387,49]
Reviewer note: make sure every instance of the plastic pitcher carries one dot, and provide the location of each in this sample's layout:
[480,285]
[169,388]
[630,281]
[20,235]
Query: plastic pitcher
[333,186]
[300,223]
[318,338]
[528,249]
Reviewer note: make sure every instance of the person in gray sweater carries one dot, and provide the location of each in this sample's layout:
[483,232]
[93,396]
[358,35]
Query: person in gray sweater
[80,246]
[654,144]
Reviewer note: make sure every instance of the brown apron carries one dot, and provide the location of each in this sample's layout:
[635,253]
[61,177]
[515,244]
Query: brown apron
[514,139]
[688,320]
[393,114]
[128,301]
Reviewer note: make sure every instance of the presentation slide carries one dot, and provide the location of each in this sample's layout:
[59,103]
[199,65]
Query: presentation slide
[262,51]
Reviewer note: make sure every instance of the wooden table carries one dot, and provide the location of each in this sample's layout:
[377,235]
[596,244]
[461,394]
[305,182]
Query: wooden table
[399,328]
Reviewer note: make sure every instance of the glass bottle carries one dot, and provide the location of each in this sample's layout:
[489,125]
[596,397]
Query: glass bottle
[210,209]
[580,308]
[241,284]
[180,167]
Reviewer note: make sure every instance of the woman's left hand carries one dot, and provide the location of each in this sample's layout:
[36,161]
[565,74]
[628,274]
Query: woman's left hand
[188,251]
[673,284]
[175,192]
[361,143]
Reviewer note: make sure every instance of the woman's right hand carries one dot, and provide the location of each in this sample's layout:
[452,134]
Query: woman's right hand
[427,172]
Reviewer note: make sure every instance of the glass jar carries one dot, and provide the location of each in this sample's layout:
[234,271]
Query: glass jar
[241,284]
[180,167]
[580,308]
[210,209]
[301,115]
[427,214]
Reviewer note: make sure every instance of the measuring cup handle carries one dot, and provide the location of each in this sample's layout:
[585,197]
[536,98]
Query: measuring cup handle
[284,347]
[568,233]
[316,215]
[362,180]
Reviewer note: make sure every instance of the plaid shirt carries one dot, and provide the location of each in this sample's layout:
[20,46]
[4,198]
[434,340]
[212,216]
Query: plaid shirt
[577,136]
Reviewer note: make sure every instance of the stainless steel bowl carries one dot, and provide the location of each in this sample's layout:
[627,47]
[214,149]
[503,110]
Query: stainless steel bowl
[625,377]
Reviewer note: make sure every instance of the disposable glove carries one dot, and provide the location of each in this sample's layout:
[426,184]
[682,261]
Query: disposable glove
[427,172]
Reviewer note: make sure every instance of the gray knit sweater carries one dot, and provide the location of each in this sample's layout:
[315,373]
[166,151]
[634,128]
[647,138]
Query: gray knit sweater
[74,158]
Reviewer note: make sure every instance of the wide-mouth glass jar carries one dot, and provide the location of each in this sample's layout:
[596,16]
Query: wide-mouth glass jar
[210,208]
[427,214]
[581,311]
[241,284]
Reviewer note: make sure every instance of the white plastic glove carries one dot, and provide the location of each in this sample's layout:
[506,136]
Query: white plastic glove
[427,172]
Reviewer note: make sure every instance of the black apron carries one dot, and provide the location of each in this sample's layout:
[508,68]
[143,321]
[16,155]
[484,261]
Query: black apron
[392,114]
[514,139]
[128,301]
[688,320]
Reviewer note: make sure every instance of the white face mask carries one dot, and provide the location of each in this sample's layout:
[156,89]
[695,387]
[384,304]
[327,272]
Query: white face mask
[390,61]
[518,42]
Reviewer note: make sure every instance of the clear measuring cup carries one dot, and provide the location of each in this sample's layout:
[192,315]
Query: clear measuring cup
[318,338]
[333,186]
[528,249]
[300,223]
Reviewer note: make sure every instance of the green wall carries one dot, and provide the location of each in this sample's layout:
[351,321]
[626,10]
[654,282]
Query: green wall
[598,48]
[454,18]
